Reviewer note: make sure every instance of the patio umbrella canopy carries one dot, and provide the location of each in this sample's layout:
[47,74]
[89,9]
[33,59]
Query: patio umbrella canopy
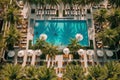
[43,36]
[90,52]
[11,53]
[81,51]
[66,51]
[30,52]
[21,53]
[38,52]
[100,53]
[79,37]
[109,53]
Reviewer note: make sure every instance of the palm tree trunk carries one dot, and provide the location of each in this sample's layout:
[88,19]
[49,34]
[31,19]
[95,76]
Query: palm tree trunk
[4,35]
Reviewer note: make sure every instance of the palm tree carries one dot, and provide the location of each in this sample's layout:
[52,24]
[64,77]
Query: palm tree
[74,72]
[82,2]
[11,72]
[11,15]
[112,71]
[100,17]
[93,2]
[47,48]
[52,2]
[40,44]
[13,36]
[118,38]
[31,73]
[109,71]
[3,7]
[115,3]
[74,45]
[46,73]
[51,51]
[29,1]
[39,73]
[108,37]
[96,72]
[114,18]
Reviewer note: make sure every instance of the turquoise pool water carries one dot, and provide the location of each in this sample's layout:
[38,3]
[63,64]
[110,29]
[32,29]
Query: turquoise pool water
[59,32]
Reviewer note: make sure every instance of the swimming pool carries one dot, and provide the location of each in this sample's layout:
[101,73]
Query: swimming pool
[59,32]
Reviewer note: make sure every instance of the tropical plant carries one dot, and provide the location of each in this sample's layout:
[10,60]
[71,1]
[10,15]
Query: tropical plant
[31,73]
[112,71]
[67,2]
[13,36]
[47,48]
[74,72]
[108,37]
[74,46]
[51,50]
[118,38]
[30,1]
[40,44]
[83,3]
[47,73]
[11,15]
[109,71]
[96,72]
[11,72]
[115,3]
[100,17]
[52,2]
[114,18]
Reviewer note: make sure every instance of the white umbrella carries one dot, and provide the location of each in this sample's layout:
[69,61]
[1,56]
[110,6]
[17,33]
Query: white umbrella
[109,53]
[11,53]
[66,50]
[79,37]
[80,51]
[38,52]
[43,36]
[21,53]
[100,53]
[30,52]
[90,52]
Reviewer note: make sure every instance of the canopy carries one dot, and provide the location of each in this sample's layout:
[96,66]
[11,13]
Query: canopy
[66,50]
[21,53]
[81,51]
[11,53]
[30,52]
[90,52]
[43,36]
[109,53]
[38,52]
[100,53]
[79,37]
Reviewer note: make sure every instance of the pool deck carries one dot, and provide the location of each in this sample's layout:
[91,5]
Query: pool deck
[33,16]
